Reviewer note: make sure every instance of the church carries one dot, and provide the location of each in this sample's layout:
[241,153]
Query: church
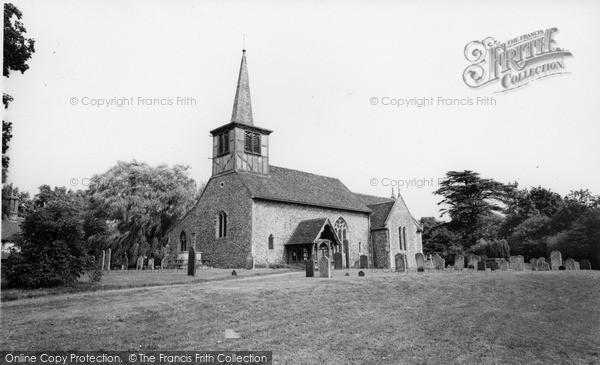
[284,216]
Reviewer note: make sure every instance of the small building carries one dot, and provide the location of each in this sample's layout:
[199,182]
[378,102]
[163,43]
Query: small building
[285,216]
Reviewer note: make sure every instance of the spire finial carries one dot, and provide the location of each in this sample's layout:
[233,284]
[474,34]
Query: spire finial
[393,197]
[242,106]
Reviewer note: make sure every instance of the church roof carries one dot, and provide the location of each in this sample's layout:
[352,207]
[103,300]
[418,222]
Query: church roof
[371,199]
[242,106]
[293,186]
[380,214]
[307,231]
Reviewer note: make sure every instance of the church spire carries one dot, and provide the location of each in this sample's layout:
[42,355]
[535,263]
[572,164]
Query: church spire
[242,106]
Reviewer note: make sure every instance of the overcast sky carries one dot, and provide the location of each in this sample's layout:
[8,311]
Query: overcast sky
[314,69]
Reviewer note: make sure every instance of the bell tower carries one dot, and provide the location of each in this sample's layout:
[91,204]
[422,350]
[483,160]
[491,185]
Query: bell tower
[239,145]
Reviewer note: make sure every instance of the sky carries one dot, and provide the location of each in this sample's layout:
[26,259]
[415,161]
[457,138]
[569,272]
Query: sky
[326,76]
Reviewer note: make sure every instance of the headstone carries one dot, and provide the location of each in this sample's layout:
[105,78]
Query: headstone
[361,273]
[504,265]
[151,263]
[364,262]
[108,258]
[520,263]
[249,261]
[493,264]
[163,263]
[526,266]
[324,267]
[459,262]
[577,267]
[420,261]
[570,264]
[310,268]
[542,265]
[400,262]
[533,263]
[103,259]
[337,261]
[585,264]
[513,263]
[480,266]
[473,260]
[192,262]
[140,263]
[233,273]
[429,265]
[438,262]
[555,260]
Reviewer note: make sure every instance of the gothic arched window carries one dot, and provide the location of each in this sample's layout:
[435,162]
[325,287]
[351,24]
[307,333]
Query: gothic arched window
[182,241]
[404,237]
[341,229]
[270,242]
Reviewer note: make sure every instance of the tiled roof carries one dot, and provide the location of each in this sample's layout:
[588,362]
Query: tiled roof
[370,199]
[10,228]
[307,231]
[380,214]
[300,187]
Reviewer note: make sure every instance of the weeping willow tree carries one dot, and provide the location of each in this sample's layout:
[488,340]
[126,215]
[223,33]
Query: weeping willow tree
[133,206]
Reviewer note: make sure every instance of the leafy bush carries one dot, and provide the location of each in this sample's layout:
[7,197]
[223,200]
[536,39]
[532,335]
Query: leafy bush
[51,251]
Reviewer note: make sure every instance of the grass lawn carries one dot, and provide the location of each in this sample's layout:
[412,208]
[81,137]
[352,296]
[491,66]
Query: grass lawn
[134,279]
[383,318]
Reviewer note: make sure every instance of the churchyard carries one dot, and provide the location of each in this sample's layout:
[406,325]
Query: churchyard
[436,316]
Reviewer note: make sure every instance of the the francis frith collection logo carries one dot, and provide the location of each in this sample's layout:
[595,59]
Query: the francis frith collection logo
[514,63]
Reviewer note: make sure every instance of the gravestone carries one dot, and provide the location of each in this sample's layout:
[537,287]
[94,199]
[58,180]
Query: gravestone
[480,266]
[533,263]
[151,263]
[192,262]
[577,267]
[585,264]
[108,258]
[233,273]
[438,262]
[310,268]
[420,261]
[140,263]
[459,262]
[555,260]
[542,265]
[520,263]
[163,263]
[337,261]
[364,262]
[429,265]
[513,262]
[504,265]
[103,260]
[400,262]
[493,264]
[249,261]
[473,260]
[361,273]
[324,267]
[526,266]
[570,264]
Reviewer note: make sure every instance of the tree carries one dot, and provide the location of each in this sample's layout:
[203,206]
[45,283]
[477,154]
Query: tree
[581,240]
[51,250]
[526,203]
[468,199]
[17,51]
[438,238]
[133,205]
